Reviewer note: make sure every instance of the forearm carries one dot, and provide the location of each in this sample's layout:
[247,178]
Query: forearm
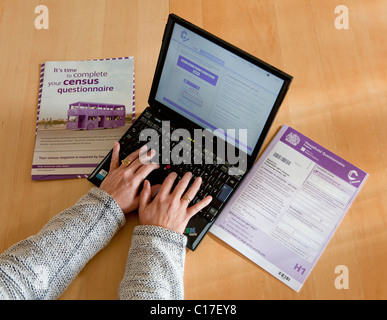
[42,266]
[155,265]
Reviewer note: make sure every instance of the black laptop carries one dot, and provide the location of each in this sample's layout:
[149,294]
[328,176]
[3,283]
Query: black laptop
[211,106]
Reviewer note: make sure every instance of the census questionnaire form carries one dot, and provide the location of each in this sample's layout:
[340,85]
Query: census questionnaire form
[289,206]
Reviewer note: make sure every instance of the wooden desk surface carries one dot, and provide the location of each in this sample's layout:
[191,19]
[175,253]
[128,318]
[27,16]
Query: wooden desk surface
[338,98]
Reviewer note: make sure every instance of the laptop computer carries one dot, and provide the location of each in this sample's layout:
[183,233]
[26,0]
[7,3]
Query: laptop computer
[211,106]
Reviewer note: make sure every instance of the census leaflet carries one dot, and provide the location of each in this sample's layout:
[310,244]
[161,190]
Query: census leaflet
[83,107]
[289,206]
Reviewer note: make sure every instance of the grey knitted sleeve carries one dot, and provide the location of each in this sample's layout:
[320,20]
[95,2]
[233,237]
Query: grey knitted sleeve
[155,265]
[43,265]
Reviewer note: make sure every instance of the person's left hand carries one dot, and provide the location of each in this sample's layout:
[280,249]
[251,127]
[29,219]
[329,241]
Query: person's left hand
[123,181]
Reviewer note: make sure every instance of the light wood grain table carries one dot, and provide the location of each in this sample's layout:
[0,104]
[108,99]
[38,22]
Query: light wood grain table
[338,98]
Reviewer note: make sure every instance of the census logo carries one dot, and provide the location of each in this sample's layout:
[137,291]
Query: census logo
[184,36]
[352,176]
[293,139]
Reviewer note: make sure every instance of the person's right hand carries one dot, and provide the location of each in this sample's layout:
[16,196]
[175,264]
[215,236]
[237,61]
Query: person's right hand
[170,209]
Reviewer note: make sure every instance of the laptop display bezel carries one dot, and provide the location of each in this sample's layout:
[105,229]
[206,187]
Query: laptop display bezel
[153,103]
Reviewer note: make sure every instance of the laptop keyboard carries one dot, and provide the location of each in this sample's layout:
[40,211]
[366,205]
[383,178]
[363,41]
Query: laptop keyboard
[215,178]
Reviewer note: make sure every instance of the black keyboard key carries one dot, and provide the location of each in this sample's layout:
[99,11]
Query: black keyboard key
[211,180]
[149,123]
[180,170]
[147,114]
[134,131]
[215,203]
[209,168]
[198,171]
[223,177]
[123,142]
[216,173]
[215,192]
[208,187]
[203,212]
[157,120]
[205,176]
[202,194]
[224,168]
[211,214]
[232,182]
[218,184]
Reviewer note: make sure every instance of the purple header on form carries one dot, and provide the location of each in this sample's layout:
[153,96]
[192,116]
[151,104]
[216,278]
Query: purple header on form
[197,70]
[323,157]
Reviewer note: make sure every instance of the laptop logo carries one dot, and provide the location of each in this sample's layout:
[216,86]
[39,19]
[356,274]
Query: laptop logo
[183,36]
[190,231]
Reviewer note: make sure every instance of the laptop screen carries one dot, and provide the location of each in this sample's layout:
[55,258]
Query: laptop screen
[216,88]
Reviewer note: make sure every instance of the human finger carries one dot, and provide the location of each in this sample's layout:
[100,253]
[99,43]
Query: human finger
[199,206]
[132,157]
[145,170]
[145,195]
[182,185]
[191,192]
[114,163]
[166,187]
[155,190]
[147,155]
[142,160]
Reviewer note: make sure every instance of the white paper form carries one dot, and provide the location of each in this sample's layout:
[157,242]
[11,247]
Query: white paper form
[288,207]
